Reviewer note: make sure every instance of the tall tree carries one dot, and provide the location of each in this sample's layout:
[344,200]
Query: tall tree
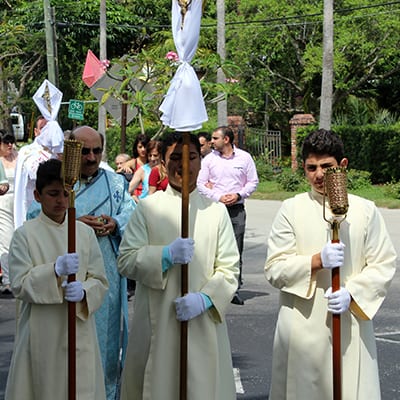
[23,61]
[325,118]
[277,45]
[279,48]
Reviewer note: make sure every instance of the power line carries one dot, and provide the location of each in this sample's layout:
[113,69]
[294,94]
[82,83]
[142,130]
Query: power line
[299,16]
[284,21]
[304,23]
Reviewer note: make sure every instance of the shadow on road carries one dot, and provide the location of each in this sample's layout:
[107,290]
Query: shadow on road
[250,294]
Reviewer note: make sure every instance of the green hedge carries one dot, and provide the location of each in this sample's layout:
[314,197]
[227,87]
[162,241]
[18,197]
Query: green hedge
[372,148]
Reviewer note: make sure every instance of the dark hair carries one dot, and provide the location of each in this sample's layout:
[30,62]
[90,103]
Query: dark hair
[226,131]
[177,137]
[142,139]
[39,118]
[205,135]
[153,144]
[6,137]
[323,142]
[48,172]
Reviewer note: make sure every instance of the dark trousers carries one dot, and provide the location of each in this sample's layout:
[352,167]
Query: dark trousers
[237,214]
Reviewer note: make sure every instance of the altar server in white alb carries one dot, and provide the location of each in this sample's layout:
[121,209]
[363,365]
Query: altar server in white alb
[39,265]
[151,253]
[48,143]
[300,258]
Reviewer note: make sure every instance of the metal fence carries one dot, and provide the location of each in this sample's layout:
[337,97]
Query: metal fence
[266,143]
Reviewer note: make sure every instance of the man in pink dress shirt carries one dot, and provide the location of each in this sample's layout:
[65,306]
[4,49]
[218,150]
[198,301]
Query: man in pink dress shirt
[229,175]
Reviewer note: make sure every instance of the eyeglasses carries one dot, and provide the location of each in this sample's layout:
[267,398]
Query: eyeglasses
[7,141]
[87,150]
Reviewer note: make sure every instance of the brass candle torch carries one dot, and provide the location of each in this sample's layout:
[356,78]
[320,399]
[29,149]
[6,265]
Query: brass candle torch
[70,172]
[335,187]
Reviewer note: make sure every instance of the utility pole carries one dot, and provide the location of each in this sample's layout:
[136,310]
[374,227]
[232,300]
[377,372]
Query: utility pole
[325,112]
[52,74]
[222,105]
[102,115]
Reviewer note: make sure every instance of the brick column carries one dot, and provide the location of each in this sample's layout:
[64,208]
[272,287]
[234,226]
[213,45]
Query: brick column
[297,121]
[238,125]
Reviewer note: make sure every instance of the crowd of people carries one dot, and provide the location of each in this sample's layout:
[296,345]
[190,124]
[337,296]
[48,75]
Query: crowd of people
[130,243]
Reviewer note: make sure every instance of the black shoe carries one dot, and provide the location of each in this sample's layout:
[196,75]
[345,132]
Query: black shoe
[237,300]
[7,292]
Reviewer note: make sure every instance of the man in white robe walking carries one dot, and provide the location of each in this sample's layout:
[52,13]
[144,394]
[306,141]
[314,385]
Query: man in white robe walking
[150,253]
[300,258]
[39,266]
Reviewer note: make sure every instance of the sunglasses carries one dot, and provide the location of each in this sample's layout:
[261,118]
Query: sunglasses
[87,150]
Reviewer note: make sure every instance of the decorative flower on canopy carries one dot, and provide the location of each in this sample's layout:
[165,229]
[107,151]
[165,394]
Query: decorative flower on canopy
[105,64]
[231,80]
[172,56]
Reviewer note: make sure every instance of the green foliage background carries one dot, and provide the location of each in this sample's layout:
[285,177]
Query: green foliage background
[372,148]
[273,52]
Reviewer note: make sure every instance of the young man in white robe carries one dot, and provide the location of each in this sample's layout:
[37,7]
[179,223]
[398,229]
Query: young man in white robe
[301,256]
[104,205]
[39,265]
[151,253]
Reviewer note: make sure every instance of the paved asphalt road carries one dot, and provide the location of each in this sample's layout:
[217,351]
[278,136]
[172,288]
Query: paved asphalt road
[251,327]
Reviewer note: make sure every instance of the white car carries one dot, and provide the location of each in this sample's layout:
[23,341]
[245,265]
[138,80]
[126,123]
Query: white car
[18,126]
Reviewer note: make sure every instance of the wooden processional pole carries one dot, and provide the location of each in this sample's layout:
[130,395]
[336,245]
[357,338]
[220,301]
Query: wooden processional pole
[335,186]
[185,269]
[184,97]
[71,165]
[336,327]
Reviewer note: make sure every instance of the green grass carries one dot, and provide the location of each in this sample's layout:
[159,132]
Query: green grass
[270,190]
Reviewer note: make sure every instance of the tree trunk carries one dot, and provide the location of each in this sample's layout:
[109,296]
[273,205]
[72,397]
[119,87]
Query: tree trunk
[102,113]
[325,117]
[222,105]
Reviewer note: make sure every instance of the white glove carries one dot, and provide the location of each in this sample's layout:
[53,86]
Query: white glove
[332,255]
[73,291]
[189,306]
[67,264]
[181,250]
[339,301]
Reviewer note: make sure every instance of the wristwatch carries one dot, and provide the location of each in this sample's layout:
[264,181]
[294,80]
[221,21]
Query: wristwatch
[239,197]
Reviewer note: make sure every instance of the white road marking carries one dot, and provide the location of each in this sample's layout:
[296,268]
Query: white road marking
[238,382]
[381,337]
[387,333]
